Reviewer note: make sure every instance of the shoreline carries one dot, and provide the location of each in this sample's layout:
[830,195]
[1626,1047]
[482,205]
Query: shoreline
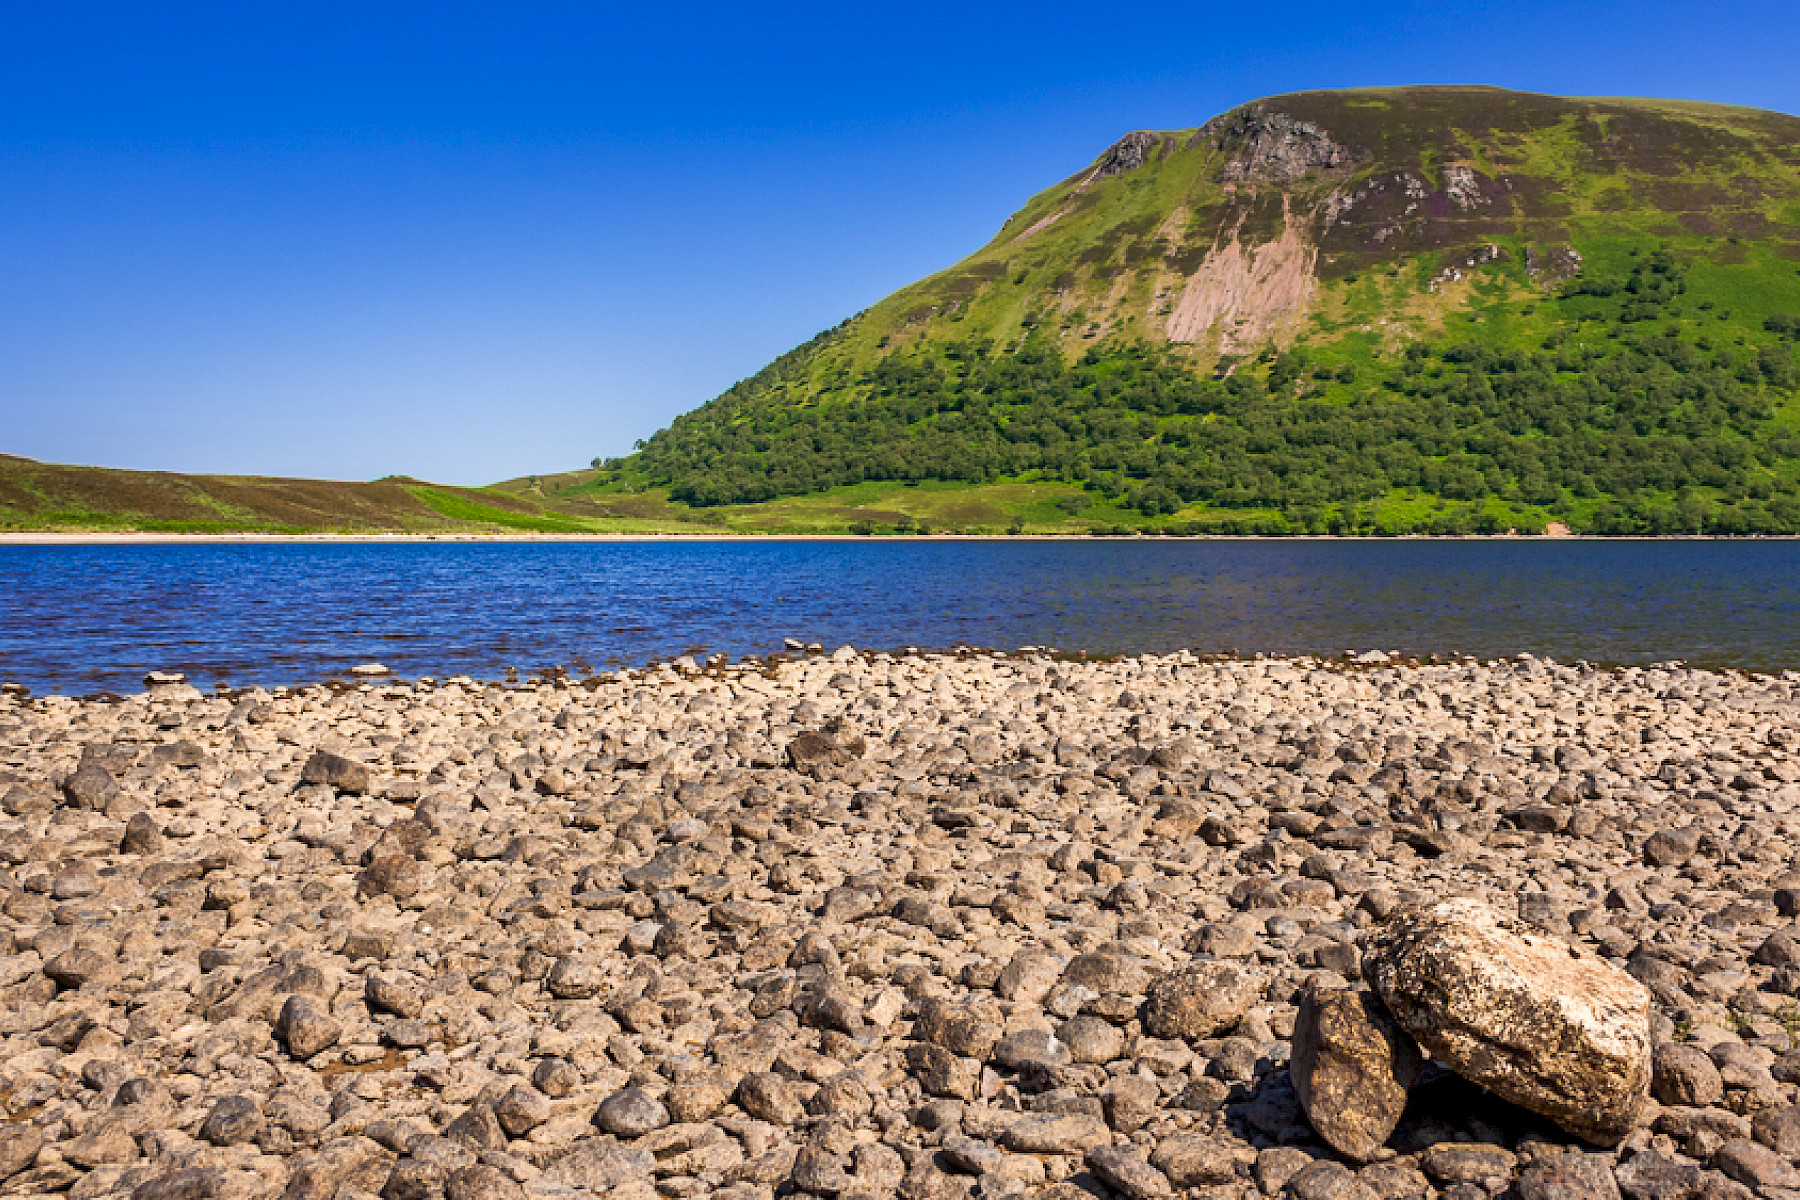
[55,538]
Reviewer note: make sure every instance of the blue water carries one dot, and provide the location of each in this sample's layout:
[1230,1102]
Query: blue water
[85,618]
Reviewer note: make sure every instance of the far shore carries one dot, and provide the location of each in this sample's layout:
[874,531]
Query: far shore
[70,538]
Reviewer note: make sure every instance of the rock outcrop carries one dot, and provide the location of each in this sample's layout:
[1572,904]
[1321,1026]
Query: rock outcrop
[1127,154]
[1270,146]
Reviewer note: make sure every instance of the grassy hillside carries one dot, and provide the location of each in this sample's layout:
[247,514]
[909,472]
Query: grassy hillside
[48,496]
[1432,309]
[52,497]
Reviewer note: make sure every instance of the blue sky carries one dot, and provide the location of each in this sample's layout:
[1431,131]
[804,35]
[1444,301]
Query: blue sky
[472,241]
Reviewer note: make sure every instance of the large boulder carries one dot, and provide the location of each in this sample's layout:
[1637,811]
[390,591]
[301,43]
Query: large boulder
[1351,1067]
[1549,1026]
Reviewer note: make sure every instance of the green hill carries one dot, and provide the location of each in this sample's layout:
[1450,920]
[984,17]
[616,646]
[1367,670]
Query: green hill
[1406,309]
[53,496]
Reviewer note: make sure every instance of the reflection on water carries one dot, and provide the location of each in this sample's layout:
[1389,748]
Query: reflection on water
[81,618]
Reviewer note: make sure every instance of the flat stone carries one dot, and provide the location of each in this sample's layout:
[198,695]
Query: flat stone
[1567,1177]
[1194,1160]
[1468,1162]
[1127,1173]
[1056,1133]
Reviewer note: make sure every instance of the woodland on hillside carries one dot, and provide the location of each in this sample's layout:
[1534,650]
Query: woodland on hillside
[1623,420]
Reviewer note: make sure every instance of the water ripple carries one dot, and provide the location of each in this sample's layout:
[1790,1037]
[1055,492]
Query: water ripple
[86,617]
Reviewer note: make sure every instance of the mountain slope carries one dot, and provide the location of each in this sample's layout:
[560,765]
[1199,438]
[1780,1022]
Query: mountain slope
[53,496]
[1391,309]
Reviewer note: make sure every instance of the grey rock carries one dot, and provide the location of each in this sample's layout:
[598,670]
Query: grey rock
[816,753]
[970,1156]
[1056,1133]
[555,1077]
[1326,1181]
[1397,1181]
[1567,1177]
[1779,949]
[1091,1039]
[1029,976]
[1127,1173]
[481,1182]
[600,1165]
[305,1027]
[1278,1164]
[477,1128]
[72,968]
[820,1171]
[355,1162]
[233,1119]
[1671,847]
[1755,1165]
[91,788]
[1109,973]
[396,875]
[522,1109]
[631,1113]
[184,1183]
[1684,1075]
[1017,1049]
[1468,1162]
[939,1072]
[575,977]
[1130,1101]
[142,836]
[336,771]
[19,1145]
[390,996]
[962,1029]
[1194,1160]
[1779,1129]
[768,1097]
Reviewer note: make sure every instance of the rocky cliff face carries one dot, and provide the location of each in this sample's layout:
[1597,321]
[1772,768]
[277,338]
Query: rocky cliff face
[1127,154]
[1270,146]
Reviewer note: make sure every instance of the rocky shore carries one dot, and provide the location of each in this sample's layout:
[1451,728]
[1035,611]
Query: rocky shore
[857,926]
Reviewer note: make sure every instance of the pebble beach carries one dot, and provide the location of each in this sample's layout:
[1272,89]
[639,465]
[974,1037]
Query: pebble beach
[862,925]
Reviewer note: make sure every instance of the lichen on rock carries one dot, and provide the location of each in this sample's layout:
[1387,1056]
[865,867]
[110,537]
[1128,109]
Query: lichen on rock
[1538,1021]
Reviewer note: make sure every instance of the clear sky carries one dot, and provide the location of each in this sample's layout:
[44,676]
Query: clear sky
[472,241]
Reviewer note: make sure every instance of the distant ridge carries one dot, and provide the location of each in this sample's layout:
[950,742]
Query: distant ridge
[50,496]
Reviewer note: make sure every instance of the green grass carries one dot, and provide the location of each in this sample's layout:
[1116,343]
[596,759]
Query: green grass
[461,508]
